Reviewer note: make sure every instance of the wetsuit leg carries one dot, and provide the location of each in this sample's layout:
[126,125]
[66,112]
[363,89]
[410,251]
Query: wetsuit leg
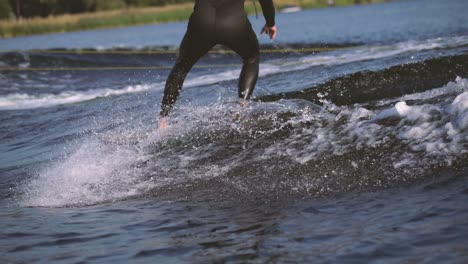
[218,22]
[239,36]
[249,51]
[194,45]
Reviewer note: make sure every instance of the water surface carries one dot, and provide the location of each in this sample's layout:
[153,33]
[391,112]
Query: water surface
[352,153]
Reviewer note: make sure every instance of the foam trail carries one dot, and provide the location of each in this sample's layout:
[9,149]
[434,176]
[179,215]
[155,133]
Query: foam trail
[363,53]
[266,69]
[25,101]
[18,101]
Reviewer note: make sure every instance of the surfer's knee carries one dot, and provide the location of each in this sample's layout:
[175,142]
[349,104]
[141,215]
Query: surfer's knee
[182,65]
[253,59]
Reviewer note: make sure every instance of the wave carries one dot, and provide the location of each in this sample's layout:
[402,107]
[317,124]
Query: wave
[368,86]
[286,148]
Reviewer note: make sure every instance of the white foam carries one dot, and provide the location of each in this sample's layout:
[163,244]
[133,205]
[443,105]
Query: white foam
[452,88]
[434,131]
[265,69]
[401,109]
[363,53]
[460,104]
[26,101]
[459,107]
[93,173]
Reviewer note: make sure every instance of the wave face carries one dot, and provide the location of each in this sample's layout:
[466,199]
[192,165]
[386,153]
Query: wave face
[325,121]
[368,86]
[290,147]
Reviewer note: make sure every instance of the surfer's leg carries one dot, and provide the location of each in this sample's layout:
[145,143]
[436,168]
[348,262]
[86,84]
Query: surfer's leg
[245,43]
[249,75]
[194,45]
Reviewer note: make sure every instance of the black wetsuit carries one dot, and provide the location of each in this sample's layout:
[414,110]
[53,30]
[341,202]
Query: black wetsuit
[218,22]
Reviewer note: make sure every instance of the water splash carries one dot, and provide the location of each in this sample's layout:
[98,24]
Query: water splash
[288,147]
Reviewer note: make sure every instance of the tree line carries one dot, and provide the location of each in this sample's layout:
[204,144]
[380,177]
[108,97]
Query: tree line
[42,8]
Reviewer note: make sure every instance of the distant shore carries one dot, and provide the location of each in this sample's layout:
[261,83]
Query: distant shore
[134,16]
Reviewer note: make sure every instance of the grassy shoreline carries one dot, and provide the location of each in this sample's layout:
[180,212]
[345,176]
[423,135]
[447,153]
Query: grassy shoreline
[130,17]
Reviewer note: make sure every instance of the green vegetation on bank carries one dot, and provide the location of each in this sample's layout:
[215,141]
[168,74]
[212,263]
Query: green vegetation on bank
[128,16]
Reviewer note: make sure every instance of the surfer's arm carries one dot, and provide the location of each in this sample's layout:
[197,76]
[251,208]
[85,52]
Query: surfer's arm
[268,12]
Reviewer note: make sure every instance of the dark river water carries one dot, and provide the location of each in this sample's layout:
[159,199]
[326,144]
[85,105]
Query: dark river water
[354,149]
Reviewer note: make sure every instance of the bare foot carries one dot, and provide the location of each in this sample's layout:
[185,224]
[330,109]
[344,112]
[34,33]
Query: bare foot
[163,123]
[243,103]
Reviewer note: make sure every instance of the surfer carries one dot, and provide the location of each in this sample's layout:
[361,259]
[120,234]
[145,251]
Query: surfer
[218,22]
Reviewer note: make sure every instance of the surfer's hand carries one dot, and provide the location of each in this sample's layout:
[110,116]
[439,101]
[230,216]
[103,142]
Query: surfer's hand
[271,31]
[163,122]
